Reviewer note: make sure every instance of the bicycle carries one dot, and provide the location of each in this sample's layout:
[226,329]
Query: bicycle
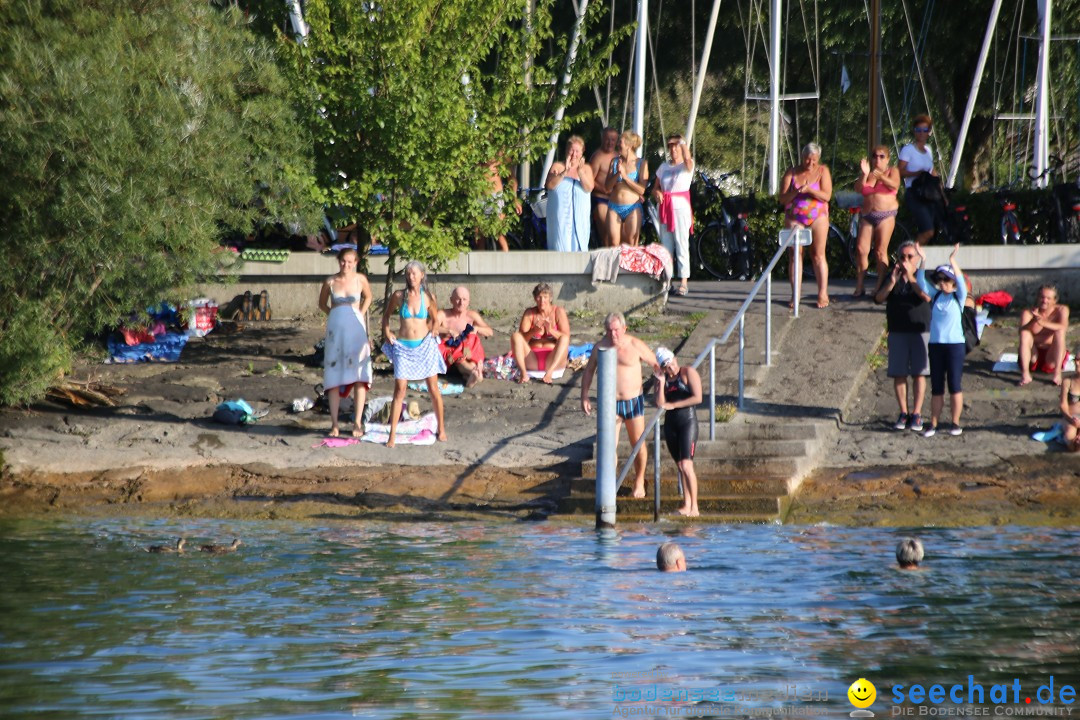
[532,234]
[723,246]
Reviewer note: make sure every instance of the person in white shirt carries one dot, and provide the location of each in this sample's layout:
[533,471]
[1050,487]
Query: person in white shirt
[672,194]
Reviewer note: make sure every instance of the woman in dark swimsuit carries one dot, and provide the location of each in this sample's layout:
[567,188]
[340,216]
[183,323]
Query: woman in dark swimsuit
[679,392]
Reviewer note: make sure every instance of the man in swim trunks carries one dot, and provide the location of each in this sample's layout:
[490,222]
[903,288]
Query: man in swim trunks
[601,164]
[1043,329]
[542,340]
[629,399]
[460,330]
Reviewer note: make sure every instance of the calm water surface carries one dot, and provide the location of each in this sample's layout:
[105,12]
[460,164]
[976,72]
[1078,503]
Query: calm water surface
[459,620]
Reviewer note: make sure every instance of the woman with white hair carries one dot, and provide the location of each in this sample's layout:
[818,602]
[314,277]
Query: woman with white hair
[679,393]
[909,553]
[414,349]
[805,193]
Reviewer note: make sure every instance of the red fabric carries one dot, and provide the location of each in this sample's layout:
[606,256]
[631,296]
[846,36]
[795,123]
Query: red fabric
[345,390]
[452,355]
[652,260]
[998,298]
[1041,362]
[136,336]
[667,210]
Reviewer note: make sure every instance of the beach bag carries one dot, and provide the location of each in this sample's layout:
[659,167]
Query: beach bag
[967,322]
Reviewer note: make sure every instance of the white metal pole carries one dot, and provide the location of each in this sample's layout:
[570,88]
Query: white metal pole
[639,71]
[774,96]
[296,18]
[1042,109]
[606,471]
[954,166]
[571,54]
[699,84]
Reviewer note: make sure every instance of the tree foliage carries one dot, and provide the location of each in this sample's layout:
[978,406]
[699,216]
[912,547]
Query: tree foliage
[132,136]
[407,101]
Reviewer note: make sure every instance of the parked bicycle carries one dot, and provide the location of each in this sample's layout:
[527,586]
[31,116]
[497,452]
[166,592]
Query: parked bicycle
[532,231]
[723,246]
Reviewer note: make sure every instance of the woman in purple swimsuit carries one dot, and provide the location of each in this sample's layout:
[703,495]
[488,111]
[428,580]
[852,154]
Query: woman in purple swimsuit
[805,193]
[878,185]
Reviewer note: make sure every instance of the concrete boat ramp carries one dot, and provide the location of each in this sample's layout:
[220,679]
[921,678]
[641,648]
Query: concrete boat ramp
[792,410]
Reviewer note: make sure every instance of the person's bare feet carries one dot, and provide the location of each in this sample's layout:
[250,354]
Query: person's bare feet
[441,437]
[823,301]
[547,378]
[687,512]
[524,379]
[1025,380]
[639,492]
[358,431]
[334,431]
[475,376]
[1057,379]
[390,442]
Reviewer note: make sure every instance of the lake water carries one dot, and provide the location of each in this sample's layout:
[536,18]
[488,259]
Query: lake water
[542,620]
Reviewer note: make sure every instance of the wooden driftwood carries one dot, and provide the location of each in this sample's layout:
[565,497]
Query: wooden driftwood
[83,394]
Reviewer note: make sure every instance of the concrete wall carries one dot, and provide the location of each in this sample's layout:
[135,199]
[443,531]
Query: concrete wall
[1017,269]
[499,282]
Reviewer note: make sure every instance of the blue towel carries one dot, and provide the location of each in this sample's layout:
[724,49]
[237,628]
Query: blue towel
[166,348]
[1054,433]
[575,351]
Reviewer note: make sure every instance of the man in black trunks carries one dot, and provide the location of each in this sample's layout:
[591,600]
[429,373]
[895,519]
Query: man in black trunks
[630,401]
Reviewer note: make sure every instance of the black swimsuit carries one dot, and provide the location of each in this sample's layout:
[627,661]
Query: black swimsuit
[680,425]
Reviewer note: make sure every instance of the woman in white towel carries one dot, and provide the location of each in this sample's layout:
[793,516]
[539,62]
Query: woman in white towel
[345,298]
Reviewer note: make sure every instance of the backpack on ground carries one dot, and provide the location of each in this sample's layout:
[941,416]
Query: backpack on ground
[967,322]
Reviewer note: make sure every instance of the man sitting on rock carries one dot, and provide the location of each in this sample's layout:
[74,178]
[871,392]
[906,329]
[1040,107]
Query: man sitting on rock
[1043,328]
[460,330]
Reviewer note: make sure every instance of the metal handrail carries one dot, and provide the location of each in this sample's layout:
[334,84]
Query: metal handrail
[788,238]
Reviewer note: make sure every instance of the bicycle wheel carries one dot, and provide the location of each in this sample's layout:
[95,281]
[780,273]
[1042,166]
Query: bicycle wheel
[714,251]
[839,254]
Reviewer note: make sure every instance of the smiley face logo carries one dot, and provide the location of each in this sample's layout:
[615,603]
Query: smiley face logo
[862,693]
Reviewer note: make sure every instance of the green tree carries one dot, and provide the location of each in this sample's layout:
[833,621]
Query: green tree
[131,135]
[407,101]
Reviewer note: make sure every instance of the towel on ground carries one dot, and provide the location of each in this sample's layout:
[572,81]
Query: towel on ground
[166,348]
[409,432]
[1010,362]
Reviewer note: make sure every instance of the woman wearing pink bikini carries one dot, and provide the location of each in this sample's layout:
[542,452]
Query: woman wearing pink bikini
[878,185]
[806,190]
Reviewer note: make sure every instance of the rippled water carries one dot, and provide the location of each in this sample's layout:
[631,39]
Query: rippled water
[544,620]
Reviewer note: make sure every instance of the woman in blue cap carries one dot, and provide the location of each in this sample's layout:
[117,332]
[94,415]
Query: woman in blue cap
[947,292]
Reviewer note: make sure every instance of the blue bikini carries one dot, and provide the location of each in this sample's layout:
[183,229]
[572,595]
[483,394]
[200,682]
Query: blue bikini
[624,211]
[406,314]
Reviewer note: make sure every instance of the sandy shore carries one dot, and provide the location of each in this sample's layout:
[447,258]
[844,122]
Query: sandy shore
[512,448]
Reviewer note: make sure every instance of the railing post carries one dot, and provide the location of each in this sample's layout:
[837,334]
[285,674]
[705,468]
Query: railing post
[742,359]
[607,362]
[712,391]
[768,320]
[656,471]
[796,248]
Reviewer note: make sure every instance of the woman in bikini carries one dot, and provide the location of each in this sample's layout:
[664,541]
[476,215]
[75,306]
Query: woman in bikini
[805,197]
[626,183]
[414,349]
[345,298]
[878,185]
[542,340]
[1070,408]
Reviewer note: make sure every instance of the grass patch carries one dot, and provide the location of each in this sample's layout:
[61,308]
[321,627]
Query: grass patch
[585,314]
[692,321]
[726,411]
[879,358]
